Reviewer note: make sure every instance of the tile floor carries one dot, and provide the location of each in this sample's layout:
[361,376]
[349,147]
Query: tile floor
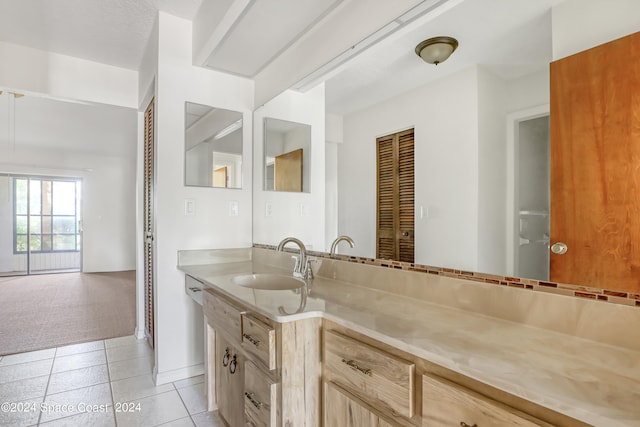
[100,383]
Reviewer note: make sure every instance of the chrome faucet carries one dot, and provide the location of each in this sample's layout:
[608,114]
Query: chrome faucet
[339,239]
[302,269]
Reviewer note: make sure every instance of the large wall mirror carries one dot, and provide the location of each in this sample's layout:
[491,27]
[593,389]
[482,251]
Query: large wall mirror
[213,147]
[481,120]
[287,156]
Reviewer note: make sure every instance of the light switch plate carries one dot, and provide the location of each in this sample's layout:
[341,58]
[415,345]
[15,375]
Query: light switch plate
[268,209]
[189,207]
[234,210]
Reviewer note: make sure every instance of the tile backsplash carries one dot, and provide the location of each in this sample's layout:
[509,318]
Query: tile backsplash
[597,294]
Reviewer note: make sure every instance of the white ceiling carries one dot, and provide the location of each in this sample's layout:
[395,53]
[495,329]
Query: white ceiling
[510,37]
[112,32]
[263,31]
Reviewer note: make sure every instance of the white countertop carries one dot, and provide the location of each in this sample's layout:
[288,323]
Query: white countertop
[592,382]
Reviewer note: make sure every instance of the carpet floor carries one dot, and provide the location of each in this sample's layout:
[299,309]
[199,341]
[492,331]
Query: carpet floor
[52,310]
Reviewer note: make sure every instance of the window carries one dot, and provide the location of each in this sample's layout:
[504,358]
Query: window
[46,213]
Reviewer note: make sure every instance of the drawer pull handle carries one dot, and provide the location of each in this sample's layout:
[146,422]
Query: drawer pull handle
[255,402]
[251,339]
[353,365]
[233,366]
[226,357]
[463,424]
[195,289]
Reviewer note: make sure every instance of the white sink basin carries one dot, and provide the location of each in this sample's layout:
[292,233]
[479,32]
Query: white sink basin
[266,281]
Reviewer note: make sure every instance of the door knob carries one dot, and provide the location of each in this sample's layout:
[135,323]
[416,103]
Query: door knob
[559,248]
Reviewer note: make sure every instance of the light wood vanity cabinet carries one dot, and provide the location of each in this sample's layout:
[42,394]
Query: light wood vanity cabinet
[277,366]
[264,373]
[368,383]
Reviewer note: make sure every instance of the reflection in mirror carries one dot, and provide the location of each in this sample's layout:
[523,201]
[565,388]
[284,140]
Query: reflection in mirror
[287,148]
[474,116]
[213,147]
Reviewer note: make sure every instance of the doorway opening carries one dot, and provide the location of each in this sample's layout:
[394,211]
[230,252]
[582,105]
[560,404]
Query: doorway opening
[530,205]
[41,221]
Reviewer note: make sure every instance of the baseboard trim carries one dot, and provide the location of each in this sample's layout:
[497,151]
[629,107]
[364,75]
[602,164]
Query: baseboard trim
[139,333]
[160,378]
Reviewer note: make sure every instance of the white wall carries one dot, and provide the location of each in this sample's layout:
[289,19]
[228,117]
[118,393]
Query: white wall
[108,200]
[460,174]
[492,182]
[94,142]
[292,214]
[445,117]
[179,332]
[32,70]
[578,25]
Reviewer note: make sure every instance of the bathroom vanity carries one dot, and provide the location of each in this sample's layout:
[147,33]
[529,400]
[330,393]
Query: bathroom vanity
[361,345]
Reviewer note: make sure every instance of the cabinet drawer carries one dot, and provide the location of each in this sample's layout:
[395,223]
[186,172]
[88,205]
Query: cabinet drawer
[375,375]
[445,404]
[260,398]
[222,315]
[259,339]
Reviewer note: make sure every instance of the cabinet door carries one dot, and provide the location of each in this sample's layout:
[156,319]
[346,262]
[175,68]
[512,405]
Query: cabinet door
[229,382]
[342,409]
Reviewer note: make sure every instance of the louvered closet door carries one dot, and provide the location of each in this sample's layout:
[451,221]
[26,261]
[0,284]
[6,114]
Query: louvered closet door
[149,151]
[395,197]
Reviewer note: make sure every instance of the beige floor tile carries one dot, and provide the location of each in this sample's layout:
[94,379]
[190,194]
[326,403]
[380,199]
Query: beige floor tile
[27,388]
[77,361]
[193,398]
[116,342]
[129,351]
[189,381]
[129,368]
[139,387]
[182,422]
[31,356]
[77,378]
[25,413]
[80,348]
[68,403]
[154,410]
[94,419]
[208,419]
[25,370]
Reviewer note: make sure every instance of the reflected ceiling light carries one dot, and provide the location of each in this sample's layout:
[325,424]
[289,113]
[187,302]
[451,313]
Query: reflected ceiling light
[437,49]
[229,129]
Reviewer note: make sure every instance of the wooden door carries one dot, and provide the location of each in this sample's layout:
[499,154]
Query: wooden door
[149,153]
[220,177]
[595,166]
[395,197]
[288,171]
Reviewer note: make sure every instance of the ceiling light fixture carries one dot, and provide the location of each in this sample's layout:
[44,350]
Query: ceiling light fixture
[437,49]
